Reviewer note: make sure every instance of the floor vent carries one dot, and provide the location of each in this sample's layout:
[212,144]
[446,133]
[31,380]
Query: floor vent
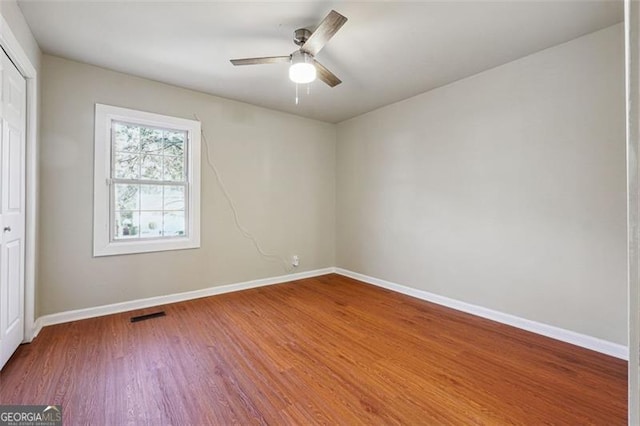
[148,316]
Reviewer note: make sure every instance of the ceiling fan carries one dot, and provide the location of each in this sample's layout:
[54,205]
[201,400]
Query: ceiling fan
[304,68]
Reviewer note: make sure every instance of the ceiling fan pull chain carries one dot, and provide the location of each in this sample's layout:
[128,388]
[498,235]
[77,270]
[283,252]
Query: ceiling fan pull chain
[296,93]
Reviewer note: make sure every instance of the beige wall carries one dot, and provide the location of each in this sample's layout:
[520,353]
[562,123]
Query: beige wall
[504,190]
[279,169]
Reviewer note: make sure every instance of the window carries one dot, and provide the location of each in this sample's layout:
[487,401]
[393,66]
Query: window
[146,182]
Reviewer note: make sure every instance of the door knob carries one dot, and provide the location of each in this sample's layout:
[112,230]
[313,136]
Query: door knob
[7,229]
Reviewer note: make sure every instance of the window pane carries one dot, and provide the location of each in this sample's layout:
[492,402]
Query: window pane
[151,140]
[151,167]
[174,169]
[126,225]
[174,143]
[150,197]
[127,197]
[174,198]
[150,224]
[127,137]
[174,224]
[127,166]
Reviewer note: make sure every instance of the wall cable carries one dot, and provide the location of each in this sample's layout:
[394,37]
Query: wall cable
[236,219]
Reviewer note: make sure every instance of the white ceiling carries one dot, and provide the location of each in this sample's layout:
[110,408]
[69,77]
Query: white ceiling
[387,51]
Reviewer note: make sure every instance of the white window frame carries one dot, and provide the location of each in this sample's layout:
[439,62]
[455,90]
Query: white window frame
[103,243]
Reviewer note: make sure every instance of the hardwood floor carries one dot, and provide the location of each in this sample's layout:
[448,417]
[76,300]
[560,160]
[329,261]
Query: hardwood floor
[321,350]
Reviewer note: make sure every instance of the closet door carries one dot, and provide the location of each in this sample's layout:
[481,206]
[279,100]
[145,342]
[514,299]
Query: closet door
[12,207]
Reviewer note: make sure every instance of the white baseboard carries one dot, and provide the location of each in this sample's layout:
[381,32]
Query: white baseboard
[582,340]
[131,305]
[589,342]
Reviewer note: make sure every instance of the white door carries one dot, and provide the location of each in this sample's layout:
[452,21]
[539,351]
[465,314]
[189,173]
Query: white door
[12,207]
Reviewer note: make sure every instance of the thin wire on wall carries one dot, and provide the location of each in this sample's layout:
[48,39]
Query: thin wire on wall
[245,233]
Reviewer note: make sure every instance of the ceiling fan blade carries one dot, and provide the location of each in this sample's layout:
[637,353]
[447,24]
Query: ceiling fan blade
[265,60]
[327,29]
[325,75]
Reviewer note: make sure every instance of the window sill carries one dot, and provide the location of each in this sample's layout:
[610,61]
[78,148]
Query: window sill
[148,246]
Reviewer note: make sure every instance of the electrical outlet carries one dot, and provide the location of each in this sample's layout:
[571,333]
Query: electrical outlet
[295,261]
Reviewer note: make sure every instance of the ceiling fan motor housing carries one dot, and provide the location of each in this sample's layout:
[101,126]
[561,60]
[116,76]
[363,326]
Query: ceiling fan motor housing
[301,35]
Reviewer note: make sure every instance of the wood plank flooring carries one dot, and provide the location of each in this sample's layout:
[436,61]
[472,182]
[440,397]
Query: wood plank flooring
[326,350]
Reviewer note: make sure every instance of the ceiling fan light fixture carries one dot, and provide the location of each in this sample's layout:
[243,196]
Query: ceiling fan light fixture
[302,69]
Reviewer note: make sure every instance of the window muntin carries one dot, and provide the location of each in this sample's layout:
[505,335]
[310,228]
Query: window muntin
[149,191]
